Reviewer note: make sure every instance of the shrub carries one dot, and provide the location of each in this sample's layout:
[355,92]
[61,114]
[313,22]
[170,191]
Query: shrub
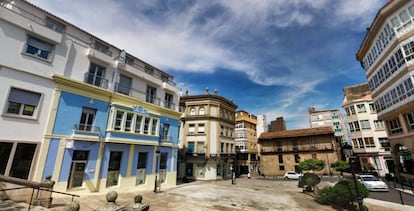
[309,180]
[342,193]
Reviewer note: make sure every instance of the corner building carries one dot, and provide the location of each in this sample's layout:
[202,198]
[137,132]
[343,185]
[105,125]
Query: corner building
[386,54]
[368,134]
[207,137]
[75,107]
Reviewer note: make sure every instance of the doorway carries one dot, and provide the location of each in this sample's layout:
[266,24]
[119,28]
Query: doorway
[113,168]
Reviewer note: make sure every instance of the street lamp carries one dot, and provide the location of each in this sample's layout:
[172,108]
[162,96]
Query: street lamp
[157,153]
[347,149]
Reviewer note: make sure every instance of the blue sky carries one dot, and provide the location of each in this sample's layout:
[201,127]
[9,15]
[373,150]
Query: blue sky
[272,57]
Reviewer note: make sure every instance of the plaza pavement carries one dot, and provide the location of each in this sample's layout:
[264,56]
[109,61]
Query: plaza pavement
[247,194]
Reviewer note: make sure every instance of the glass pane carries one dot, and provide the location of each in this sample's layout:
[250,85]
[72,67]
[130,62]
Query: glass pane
[113,168]
[22,160]
[28,110]
[5,149]
[13,108]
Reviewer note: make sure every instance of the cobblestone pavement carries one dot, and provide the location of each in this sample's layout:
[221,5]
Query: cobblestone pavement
[246,194]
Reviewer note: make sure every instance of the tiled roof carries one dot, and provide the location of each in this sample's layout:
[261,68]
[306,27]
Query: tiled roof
[297,133]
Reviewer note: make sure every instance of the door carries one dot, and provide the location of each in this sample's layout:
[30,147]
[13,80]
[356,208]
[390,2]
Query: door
[141,168]
[113,168]
[77,169]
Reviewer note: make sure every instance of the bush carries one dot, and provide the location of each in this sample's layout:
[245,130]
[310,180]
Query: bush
[342,193]
[308,181]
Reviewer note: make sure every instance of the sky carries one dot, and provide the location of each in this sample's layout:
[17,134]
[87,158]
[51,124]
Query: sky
[271,57]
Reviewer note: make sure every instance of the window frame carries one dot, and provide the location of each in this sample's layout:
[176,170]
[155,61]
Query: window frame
[23,104]
[31,40]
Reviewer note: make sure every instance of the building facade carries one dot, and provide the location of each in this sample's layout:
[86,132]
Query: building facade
[386,56]
[278,124]
[283,150]
[368,134]
[246,142]
[332,118]
[90,115]
[207,137]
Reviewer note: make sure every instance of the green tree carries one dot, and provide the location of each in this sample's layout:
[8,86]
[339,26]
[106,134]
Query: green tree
[312,165]
[340,165]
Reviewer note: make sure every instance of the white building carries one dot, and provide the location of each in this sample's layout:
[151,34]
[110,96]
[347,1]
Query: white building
[75,107]
[368,134]
[332,118]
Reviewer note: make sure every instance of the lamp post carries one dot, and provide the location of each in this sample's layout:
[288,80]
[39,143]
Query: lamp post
[157,154]
[347,149]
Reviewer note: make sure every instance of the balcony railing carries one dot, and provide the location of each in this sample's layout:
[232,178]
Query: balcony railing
[299,148]
[95,80]
[166,139]
[87,127]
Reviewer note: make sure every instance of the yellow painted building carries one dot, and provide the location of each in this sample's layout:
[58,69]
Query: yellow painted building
[246,142]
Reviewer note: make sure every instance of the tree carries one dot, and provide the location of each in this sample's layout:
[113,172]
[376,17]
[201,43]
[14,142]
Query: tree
[340,165]
[312,165]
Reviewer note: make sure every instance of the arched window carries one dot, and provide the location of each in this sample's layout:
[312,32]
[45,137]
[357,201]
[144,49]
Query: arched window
[202,111]
[192,111]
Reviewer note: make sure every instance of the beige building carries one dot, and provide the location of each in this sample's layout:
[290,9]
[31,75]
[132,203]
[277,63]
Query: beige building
[246,142]
[207,137]
[283,150]
[386,54]
[368,134]
[332,118]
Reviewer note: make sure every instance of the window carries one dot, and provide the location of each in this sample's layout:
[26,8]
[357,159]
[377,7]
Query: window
[87,118]
[379,124]
[54,25]
[163,166]
[200,147]
[124,85]
[297,158]
[191,128]
[146,125]
[281,168]
[192,111]
[394,126]
[151,94]
[38,48]
[138,124]
[95,76]
[356,126]
[165,129]
[168,101]
[410,119]
[351,126]
[369,142]
[280,158]
[361,143]
[365,125]
[372,108]
[202,111]
[128,122]
[221,147]
[149,70]
[314,156]
[100,46]
[361,108]
[118,120]
[190,146]
[141,168]
[19,156]
[22,102]
[154,127]
[352,109]
[201,128]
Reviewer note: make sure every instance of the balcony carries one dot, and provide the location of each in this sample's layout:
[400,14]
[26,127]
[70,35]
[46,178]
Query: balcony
[30,22]
[102,55]
[86,132]
[87,128]
[299,148]
[366,150]
[166,140]
[95,80]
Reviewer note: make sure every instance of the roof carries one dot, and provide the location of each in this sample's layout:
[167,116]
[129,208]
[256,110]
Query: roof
[297,133]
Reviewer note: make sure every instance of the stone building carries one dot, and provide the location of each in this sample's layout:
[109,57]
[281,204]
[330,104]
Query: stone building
[283,150]
[207,146]
[278,124]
